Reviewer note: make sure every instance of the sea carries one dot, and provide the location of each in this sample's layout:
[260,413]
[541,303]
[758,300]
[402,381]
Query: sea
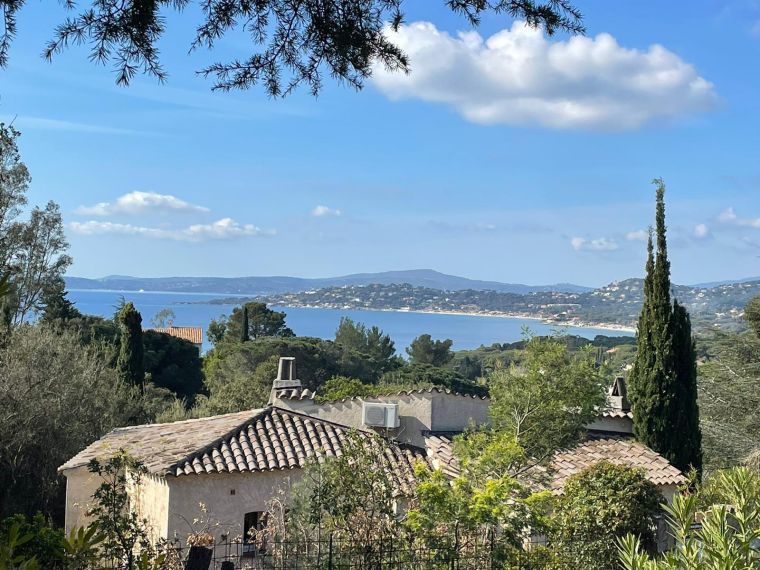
[467,331]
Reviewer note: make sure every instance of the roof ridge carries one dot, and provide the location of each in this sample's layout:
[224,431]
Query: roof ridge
[429,390]
[229,433]
[205,418]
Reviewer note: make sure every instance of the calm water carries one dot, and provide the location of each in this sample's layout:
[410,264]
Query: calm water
[466,331]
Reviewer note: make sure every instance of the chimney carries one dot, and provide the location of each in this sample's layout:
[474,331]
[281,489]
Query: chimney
[618,396]
[286,377]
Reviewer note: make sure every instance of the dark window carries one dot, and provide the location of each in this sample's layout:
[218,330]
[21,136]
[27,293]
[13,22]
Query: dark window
[252,522]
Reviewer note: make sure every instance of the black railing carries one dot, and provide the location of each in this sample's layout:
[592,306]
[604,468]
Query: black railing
[380,554]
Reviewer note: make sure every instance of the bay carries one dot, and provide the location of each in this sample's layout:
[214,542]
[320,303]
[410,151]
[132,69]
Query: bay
[467,331]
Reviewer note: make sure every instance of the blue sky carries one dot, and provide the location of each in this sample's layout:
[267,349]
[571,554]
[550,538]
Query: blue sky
[508,156]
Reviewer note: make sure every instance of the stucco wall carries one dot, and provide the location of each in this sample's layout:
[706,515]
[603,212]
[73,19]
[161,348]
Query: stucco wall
[616,425]
[455,413]
[151,502]
[80,485]
[417,413]
[224,511]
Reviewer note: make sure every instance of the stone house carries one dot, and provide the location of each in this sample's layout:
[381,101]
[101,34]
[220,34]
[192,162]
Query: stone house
[235,463]
[193,335]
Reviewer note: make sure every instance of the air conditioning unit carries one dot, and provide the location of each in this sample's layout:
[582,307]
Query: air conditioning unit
[377,414]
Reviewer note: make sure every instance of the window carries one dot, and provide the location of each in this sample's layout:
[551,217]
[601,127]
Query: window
[252,522]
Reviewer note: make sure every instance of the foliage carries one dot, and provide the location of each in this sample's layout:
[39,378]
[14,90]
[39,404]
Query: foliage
[367,353]
[125,539]
[545,402]
[9,557]
[32,252]
[340,387]
[238,384]
[262,322]
[752,314]
[57,308]
[130,363]
[427,374]
[56,397]
[728,396]
[294,43]
[425,350]
[349,497]
[45,542]
[600,505]
[163,318]
[727,537]
[449,517]
[173,363]
[662,384]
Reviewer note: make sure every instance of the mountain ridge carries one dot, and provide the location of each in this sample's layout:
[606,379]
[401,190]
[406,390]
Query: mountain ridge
[275,284]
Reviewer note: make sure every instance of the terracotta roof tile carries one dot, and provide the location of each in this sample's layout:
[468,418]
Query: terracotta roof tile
[304,394]
[567,463]
[258,440]
[192,334]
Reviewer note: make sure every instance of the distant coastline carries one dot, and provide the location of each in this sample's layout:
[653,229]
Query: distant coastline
[559,323]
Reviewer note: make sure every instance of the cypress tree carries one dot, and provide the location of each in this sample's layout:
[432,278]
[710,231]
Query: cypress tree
[130,362]
[663,388]
[245,333]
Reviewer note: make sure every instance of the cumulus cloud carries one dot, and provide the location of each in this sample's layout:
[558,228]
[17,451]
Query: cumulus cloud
[140,202]
[223,229]
[324,211]
[518,77]
[598,244]
[701,231]
[638,235]
[729,217]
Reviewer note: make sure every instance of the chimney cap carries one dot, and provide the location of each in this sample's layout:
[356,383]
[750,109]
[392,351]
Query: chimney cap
[286,374]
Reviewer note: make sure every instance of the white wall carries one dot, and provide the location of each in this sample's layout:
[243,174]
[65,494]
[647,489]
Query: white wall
[427,411]
[80,485]
[224,511]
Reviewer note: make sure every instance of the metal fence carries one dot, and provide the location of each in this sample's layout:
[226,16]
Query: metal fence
[385,554]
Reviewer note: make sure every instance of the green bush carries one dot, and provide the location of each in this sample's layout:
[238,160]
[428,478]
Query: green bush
[599,506]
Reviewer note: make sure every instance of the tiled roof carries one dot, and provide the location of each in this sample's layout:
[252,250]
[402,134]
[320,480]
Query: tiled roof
[280,439]
[617,414]
[304,394]
[618,451]
[192,334]
[567,463]
[161,445]
[259,440]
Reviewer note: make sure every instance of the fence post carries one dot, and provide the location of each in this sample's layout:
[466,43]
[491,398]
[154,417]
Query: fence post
[330,554]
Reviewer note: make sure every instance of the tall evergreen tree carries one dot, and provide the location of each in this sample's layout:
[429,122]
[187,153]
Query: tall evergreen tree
[130,363]
[244,330]
[663,387]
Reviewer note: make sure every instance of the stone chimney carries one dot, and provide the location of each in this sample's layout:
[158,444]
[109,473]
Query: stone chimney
[618,396]
[286,377]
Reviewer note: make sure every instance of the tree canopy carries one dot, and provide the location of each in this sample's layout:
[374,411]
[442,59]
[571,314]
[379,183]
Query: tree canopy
[293,42]
[663,382]
[32,251]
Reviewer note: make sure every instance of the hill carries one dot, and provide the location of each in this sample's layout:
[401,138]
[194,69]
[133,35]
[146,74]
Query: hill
[617,304]
[269,285]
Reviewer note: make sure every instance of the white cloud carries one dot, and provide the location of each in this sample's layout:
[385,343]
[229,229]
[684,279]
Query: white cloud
[324,211]
[701,231]
[638,235]
[140,202]
[226,228]
[518,77]
[598,244]
[729,217]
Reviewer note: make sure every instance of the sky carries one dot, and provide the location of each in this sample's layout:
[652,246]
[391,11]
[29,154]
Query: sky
[503,155]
